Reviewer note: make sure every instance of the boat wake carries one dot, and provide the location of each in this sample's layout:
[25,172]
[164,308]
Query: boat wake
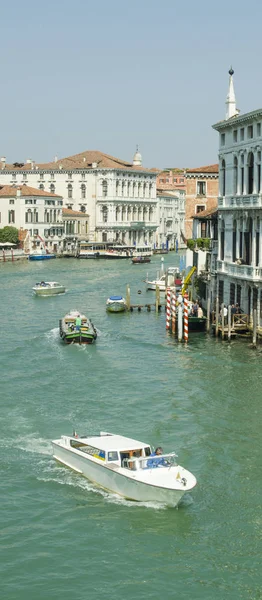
[53,334]
[33,445]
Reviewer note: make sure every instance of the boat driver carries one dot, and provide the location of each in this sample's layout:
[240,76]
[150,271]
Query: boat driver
[157,459]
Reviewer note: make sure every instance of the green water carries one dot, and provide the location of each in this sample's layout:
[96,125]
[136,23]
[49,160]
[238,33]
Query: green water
[61,538]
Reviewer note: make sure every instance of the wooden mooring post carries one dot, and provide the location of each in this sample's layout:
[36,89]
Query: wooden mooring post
[173,310]
[208,313]
[157,298]
[222,321]
[229,324]
[128,302]
[180,323]
[217,315]
[254,328]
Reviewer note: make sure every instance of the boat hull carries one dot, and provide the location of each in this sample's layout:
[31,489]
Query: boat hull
[83,336]
[151,285]
[110,479]
[140,261]
[197,323]
[116,308]
[41,256]
[49,291]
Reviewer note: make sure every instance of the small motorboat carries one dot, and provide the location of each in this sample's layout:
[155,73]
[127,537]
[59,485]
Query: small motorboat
[43,256]
[116,304]
[171,277]
[76,328]
[126,467]
[140,260]
[48,288]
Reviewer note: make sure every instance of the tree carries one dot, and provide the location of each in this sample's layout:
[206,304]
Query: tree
[9,234]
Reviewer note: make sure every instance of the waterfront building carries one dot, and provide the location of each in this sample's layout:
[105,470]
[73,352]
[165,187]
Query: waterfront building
[171,180]
[36,211]
[201,193]
[239,264]
[171,218]
[119,197]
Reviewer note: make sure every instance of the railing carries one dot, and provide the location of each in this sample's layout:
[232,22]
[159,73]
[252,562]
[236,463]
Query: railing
[243,201]
[150,462]
[240,271]
[238,320]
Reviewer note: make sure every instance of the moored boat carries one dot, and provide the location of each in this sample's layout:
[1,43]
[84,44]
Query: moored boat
[197,323]
[140,260]
[43,256]
[76,328]
[48,288]
[126,467]
[171,277]
[116,304]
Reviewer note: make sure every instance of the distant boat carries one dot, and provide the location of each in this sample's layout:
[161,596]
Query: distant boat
[171,277]
[74,332]
[140,260]
[116,304]
[43,256]
[48,288]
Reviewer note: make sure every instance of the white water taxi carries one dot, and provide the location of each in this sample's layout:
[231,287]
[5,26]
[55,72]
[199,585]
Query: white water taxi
[116,304]
[48,288]
[126,467]
[171,277]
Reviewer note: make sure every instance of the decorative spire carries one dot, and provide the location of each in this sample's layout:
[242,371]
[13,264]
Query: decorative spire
[137,160]
[231,110]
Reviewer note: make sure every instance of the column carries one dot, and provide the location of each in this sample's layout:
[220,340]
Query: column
[238,174]
[253,257]
[245,173]
[237,237]
[255,184]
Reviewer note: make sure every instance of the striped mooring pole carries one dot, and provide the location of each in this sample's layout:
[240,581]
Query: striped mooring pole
[186,317]
[168,308]
[173,310]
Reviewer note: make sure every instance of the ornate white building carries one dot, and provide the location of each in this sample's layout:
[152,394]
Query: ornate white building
[239,264]
[119,197]
[171,218]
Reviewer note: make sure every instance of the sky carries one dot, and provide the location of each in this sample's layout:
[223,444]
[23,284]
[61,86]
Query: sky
[108,75]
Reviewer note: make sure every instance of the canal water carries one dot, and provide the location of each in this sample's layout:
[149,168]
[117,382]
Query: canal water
[61,537]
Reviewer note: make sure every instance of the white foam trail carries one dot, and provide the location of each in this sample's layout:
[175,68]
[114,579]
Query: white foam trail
[33,445]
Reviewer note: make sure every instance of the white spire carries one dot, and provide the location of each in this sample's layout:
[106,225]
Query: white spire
[231,110]
[137,160]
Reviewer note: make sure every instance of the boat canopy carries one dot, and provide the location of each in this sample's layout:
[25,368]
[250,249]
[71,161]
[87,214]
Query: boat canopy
[112,442]
[116,298]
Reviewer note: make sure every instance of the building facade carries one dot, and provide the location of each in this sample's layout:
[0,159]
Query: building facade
[201,193]
[120,197]
[171,180]
[239,265]
[171,219]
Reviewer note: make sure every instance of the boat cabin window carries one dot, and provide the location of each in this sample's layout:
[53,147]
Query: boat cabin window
[90,450]
[112,456]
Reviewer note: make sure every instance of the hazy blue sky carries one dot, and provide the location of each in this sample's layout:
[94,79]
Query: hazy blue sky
[107,75]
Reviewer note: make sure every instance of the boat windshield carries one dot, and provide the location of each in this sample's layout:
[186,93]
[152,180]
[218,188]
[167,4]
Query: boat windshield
[151,462]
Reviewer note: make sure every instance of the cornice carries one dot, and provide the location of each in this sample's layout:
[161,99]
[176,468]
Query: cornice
[238,120]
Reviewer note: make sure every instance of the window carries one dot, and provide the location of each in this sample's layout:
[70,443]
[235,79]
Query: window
[250,131]
[174,180]
[11,201]
[24,176]
[200,208]
[70,191]
[222,139]
[250,182]
[235,135]
[41,187]
[41,175]
[235,176]
[104,239]
[52,176]
[83,190]
[112,456]
[242,133]
[11,216]
[223,178]
[258,129]
[104,214]
[35,231]
[104,188]
[69,175]
[52,188]
[201,188]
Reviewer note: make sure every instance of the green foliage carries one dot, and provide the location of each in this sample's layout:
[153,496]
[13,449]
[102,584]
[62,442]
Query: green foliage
[200,287]
[9,234]
[202,243]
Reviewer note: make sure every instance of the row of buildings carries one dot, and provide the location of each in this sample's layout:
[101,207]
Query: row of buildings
[231,269]
[96,197]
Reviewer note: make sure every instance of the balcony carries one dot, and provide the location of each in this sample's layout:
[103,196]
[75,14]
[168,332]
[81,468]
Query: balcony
[137,225]
[244,201]
[246,272]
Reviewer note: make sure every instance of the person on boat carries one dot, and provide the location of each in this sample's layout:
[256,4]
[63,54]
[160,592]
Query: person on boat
[195,309]
[200,313]
[156,459]
[78,322]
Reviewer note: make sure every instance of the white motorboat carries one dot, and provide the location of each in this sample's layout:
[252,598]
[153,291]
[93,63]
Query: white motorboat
[171,277]
[126,467]
[116,304]
[48,288]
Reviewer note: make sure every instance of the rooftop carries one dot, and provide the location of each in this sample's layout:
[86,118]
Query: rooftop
[207,169]
[25,190]
[68,212]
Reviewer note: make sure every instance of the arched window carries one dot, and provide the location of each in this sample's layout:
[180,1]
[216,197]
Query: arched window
[134,189]
[104,214]
[223,178]
[259,172]
[117,188]
[41,187]
[28,216]
[70,191]
[150,190]
[104,188]
[83,191]
[250,177]
[82,209]
[235,183]
[52,188]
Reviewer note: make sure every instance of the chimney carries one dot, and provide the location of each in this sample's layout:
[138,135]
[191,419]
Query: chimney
[55,159]
[18,192]
[60,167]
[84,159]
[94,165]
[32,164]
[28,161]
[3,161]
